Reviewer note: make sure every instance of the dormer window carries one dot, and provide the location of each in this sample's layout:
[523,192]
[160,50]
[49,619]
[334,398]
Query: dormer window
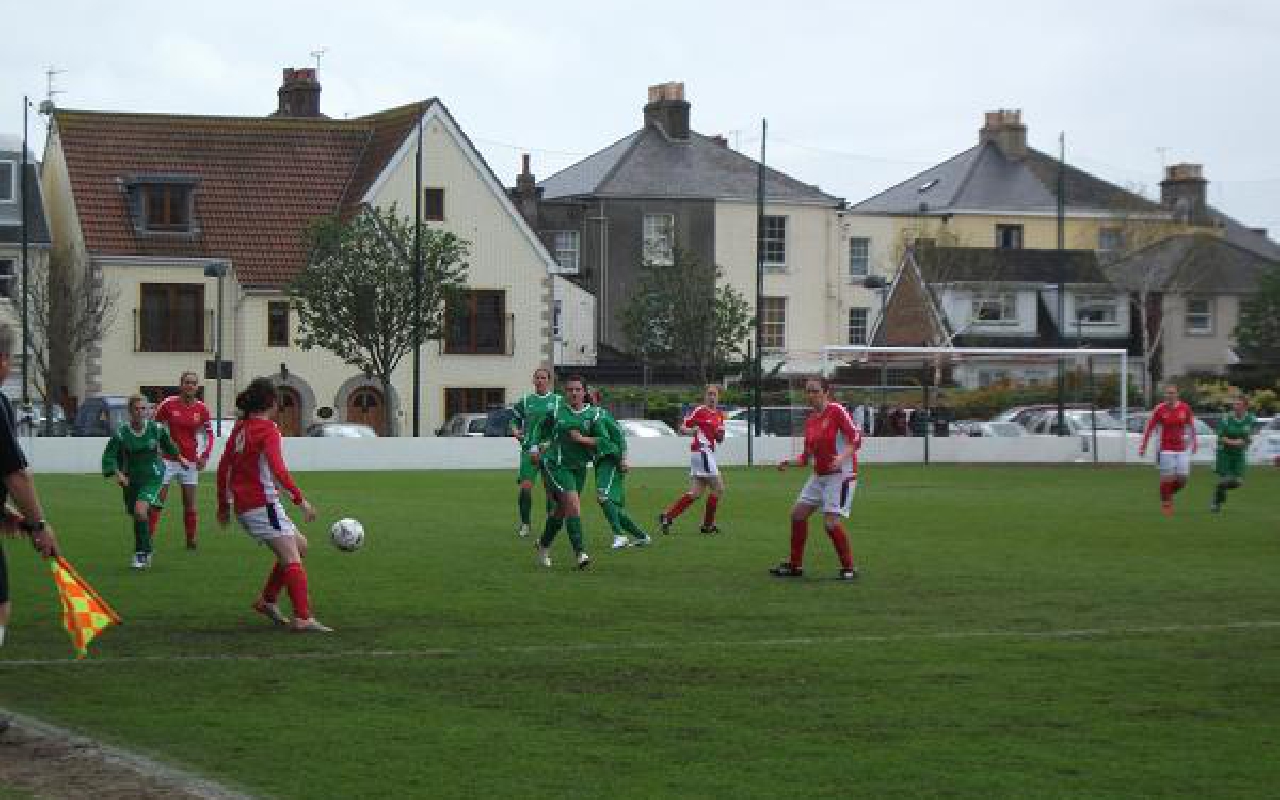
[8,181]
[162,204]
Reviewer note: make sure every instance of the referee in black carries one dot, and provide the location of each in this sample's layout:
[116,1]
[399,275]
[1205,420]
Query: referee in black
[16,484]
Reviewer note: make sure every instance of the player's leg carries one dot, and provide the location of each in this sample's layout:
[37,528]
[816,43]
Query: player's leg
[1168,464]
[141,532]
[170,472]
[288,546]
[1182,473]
[1230,470]
[685,500]
[190,517]
[618,497]
[573,516]
[607,477]
[715,488]
[4,596]
[837,502]
[554,480]
[524,498]
[793,567]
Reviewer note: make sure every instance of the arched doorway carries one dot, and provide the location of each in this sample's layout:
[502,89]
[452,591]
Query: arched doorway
[289,412]
[367,407]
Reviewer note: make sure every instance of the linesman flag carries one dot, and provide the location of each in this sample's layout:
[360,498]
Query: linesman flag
[84,613]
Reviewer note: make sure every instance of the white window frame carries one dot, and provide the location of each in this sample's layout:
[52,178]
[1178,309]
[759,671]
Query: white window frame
[1206,329]
[1006,303]
[566,249]
[659,239]
[1105,302]
[9,278]
[859,330]
[773,327]
[1011,227]
[13,183]
[859,257]
[769,235]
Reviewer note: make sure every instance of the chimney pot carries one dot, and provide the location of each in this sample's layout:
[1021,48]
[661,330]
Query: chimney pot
[1184,192]
[1005,129]
[667,109]
[299,93]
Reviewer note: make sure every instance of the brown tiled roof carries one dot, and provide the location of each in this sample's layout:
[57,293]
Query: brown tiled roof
[261,179]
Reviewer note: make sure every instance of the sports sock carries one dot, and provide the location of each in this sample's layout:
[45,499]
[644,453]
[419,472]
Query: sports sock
[1166,490]
[550,529]
[141,536]
[153,520]
[189,522]
[574,525]
[1178,484]
[275,582]
[679,506]
[799,532]
[709,512]
[629,525]
[611,514]
[295,578]
[1,634]
[841,540]
[1220,492]
[525,502]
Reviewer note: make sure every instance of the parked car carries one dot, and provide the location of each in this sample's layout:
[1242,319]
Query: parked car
[464,425]
[735,427]
[498,421]
[1026,415]
[645,428]
[1137,421]
[34,423]
[989,429]
[342,430]
[1266,442]
[100,416]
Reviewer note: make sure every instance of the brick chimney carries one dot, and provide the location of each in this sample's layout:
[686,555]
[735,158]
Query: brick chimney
[527,193]
[1183,191]
[668,110]
[299,94]
[1005,129]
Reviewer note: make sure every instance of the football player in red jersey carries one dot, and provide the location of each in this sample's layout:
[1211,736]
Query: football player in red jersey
[187,418]
[1177,444]
[831,443]
[706,424]
[249,473]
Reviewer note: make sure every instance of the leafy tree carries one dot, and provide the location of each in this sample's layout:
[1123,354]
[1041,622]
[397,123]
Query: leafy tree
[682,313]
[1258,332]
[355,296]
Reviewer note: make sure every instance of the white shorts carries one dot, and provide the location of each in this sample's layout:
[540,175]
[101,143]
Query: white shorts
[832,494]
[703,465]
[1175,462]
[267,522]
[190,476]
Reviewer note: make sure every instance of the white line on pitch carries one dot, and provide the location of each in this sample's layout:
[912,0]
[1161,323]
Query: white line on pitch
[605,647]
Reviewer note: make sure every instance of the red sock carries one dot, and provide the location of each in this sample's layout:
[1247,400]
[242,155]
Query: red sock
[680,505]
[709,513]
[153,519]
[189,523]
[841,540]
[1178,483]
[799,532]
[1166,490]
[295,578]
[275,582]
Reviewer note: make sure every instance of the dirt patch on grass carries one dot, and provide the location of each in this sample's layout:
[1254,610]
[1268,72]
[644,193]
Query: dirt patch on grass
[49,762]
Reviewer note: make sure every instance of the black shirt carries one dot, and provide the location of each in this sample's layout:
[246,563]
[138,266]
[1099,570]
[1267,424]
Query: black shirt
[11,457]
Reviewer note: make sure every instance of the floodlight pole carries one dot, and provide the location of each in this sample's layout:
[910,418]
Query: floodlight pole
[417,286]
[1062,285]
[26,278]
[218,269]
[759,362]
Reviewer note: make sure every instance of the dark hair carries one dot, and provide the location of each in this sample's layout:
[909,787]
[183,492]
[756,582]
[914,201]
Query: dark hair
[259,395]
[824,382]
[575,377]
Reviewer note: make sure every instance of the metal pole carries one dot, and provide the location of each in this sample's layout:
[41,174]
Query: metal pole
[752,427]
[217,356]
[1093,413]
[417,287]
[1062,288]
[928,423]
[26,274]
[884,363]
[1124,402]
[759,362]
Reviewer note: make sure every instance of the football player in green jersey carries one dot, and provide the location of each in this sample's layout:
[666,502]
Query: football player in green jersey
[611,477]
[1234,434]
[132,457]
[527,414]
[566,441]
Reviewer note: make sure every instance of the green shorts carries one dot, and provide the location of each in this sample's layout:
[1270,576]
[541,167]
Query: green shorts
[148,493]
[611,482]
[565,479]
[1230,463]
[528,470]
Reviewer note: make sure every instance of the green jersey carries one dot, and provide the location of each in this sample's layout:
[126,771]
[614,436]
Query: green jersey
[1233,427]
[560,451]
[610,441]
[529,412]
[137,454]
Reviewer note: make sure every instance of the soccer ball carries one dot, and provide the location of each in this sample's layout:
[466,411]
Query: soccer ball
[347,535]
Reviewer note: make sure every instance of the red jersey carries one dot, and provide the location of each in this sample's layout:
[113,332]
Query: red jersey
[252,467]
[1177,427]
[708,425]
[826,434]
[185,422]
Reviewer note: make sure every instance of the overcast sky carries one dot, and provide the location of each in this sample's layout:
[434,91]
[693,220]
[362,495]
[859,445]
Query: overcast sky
[858,95]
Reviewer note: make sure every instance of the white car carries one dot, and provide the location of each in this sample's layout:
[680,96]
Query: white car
[464,425]
[645,428]
[997,429]
[1265,448]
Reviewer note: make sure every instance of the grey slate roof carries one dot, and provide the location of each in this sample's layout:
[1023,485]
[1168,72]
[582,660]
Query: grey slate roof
[11,213]
[1193,262]
[991,265]
[648,163]
[982,178]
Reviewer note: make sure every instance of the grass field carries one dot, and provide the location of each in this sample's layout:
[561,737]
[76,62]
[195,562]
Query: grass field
[1017,632]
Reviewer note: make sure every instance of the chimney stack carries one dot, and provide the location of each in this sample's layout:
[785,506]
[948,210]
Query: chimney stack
[1005,129]
[299,94]
[668,110]
[1184,192]
[526,193]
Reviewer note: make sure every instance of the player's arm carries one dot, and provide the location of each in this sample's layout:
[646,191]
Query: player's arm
[202,457]
[273,450]
[111,466]
[852,436]
[1147,429]
[224,485]
[690,423]
[1191,425]
[517,424]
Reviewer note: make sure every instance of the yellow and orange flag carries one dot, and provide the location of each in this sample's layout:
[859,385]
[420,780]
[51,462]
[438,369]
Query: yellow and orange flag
[84,613]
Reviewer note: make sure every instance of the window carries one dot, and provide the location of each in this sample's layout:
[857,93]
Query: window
[566,247]
[1199,316]
[476,323]
[992,377]
[999,308]
[1110,239]
[171,318]
[471,400]
[1009,237]
[8,181]
[857,326]
[1097,309]
[659,239]
[859,257]
[557,317]
[773,243]
[166,206]
[773,323]
[433,204]
[278,323]
[8,279]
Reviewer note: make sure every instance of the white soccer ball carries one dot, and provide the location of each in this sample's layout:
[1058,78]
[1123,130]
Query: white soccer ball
[347,535]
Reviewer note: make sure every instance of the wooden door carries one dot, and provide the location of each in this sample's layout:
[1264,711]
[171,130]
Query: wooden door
[289,412]
[366,406]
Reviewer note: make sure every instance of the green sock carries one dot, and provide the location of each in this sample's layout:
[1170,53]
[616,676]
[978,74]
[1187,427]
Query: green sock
[550,530]
[611,514]
[141,536]
[574,524]
[630,526]
[526,505]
